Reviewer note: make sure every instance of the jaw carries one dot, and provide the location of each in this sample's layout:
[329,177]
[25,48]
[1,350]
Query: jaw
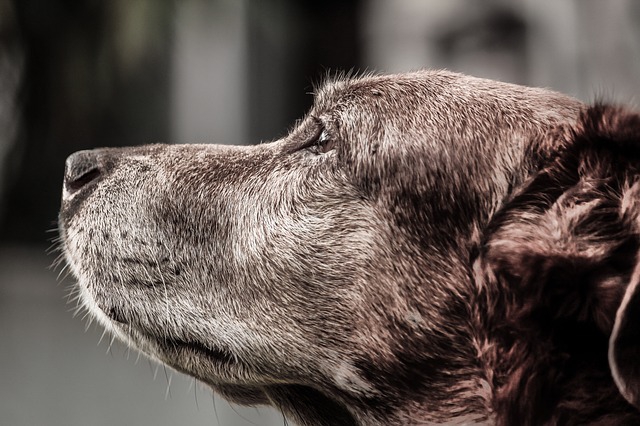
[310,401]
[301,403]
[319,398]
[231,377]
[220,368]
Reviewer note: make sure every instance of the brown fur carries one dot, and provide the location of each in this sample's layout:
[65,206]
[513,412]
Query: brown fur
[421,248]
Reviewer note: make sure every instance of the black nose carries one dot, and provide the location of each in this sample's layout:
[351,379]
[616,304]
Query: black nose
[81,168]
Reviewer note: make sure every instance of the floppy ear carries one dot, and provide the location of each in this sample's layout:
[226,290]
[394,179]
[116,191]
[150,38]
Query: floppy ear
[561,255]
[624,344]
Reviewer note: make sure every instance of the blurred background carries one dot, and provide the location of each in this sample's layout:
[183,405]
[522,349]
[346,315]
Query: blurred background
[82,74]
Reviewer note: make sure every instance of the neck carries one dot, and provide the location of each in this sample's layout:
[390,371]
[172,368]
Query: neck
[463,404]
[428,377]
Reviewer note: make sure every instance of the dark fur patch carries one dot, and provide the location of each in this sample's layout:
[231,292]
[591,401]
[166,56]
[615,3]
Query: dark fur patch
[555,264]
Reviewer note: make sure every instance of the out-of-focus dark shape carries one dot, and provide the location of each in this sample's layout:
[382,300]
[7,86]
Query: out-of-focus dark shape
[496,35]
[11,64]
[95,73]
[293,45]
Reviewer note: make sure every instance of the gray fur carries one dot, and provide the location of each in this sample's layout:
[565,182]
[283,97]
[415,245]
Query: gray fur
[343,280]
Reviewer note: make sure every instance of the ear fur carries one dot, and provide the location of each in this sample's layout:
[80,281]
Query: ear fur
[624,344]
[557,269]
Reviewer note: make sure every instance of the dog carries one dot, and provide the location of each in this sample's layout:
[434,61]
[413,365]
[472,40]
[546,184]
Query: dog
[421,248]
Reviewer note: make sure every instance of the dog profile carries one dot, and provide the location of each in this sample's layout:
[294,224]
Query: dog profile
[421,248]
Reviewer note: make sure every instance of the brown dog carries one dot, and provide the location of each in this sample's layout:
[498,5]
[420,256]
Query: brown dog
[421,248]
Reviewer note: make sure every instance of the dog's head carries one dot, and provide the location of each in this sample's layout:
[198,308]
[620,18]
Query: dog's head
[396,258]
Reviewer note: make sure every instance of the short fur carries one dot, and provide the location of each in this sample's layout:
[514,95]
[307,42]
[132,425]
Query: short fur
[421,248]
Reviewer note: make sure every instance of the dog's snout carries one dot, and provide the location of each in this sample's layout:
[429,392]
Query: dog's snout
[81,168]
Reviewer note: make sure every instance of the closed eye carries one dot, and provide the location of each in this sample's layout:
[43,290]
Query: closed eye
[321,142]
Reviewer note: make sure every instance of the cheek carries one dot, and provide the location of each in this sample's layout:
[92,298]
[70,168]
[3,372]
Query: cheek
[298,229]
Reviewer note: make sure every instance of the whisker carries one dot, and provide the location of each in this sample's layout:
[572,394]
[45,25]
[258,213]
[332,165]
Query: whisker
[215,408]
[168,378]
[88,324]
[195,392]
[104,331]
[240,415]
[113,338]
[64,272]
[155,373]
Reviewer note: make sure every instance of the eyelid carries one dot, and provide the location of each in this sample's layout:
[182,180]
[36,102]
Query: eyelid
[316,136]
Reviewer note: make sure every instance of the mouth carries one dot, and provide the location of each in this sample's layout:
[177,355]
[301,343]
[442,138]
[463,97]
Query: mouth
[172,347]
[217,367]
[179,347]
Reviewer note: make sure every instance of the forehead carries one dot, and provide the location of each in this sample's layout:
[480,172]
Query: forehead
[388,106]
[440,106]
[368,92]
[439,91]
[378,105]
[429,106]
[397,91]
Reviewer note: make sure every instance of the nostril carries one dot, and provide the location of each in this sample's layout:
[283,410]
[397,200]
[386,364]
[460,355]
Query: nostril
[82,179]
[81,168]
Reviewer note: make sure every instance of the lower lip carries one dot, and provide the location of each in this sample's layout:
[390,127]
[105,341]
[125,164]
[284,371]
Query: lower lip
[220,355]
